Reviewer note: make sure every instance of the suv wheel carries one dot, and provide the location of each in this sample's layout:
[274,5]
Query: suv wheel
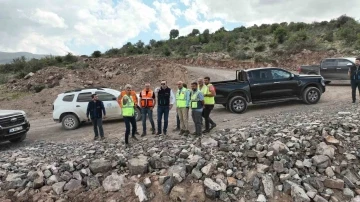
[311,95]
[138,114]
[19,139]
[70,122]
[237,104]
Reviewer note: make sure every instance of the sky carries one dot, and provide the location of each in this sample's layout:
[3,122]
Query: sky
[83,26]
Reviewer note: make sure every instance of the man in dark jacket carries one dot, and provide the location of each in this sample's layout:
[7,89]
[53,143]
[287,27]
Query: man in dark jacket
[354,73]
[96,110]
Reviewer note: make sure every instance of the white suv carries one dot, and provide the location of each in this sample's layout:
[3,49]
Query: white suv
[70,107]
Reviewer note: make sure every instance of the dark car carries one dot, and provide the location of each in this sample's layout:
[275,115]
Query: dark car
[267,85]
[13,125]
[330,69]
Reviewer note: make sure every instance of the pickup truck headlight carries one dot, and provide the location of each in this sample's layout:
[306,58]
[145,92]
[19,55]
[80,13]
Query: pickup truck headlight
[24,114]
[322,81]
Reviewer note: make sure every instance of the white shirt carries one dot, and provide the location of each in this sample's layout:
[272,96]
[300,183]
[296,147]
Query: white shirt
[172,97]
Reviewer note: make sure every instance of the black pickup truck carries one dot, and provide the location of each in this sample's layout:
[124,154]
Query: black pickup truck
[329,68]
[267,85]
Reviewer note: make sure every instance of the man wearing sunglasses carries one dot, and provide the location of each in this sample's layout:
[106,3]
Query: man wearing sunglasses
[165,102]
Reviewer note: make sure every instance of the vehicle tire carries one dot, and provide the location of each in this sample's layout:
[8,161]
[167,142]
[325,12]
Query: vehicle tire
[311,95]
[19,139]
[70,122]
[138,115]
[237,104]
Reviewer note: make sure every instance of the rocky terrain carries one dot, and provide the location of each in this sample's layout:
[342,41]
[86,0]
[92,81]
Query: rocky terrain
[305,156]
[43,86]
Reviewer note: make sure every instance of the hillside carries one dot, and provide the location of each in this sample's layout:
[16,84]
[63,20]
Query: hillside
[7,57]
[285,45]
[259,43]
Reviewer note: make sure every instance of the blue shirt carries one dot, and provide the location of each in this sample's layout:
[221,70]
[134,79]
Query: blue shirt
[200,96]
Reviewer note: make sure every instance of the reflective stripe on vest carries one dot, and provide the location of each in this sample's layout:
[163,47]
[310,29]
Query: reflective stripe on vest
[181,99]
[147,100]
[208,100]
[195,100]
[128,108]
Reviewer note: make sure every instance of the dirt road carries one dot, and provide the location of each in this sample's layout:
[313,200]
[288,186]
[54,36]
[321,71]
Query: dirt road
[46,129]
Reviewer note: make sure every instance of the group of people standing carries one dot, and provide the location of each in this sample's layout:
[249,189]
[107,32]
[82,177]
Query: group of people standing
[199,98]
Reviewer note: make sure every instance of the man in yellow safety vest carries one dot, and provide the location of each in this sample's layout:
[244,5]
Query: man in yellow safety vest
[128,113]
[209,100]
[182,106]
[197,104]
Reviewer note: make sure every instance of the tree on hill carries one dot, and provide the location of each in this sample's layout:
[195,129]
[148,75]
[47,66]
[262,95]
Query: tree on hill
[96,54]
[174,33]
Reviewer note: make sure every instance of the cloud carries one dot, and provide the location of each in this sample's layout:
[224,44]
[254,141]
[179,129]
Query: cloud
[48,18]
[58,27]
[270,11]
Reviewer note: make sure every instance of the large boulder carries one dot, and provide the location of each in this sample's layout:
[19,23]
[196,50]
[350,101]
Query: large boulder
[100,166]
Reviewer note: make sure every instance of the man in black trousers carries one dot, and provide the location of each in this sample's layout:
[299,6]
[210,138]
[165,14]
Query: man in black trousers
[96,110]
[354,73]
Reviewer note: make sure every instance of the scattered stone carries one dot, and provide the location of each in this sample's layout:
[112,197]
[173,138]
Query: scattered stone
[100,166]
[113,182]
[140,192]
[268,186]
[168,185]
[73,185]
[208,142]
[178,193]
[147,182]
[209,183]
[261,198]
[334,184]
[58,187]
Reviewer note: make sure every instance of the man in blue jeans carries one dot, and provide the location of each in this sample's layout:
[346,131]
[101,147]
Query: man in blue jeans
[147,103]
[354,74]
[165,102]
[96,110]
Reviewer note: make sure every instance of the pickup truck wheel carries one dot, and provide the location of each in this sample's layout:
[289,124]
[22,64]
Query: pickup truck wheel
[138,115]
[237,104]
[311,95]
[19,139]
[70,122]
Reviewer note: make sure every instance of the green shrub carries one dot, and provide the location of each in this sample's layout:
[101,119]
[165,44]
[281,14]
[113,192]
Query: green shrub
[273,45]
[260,48]
[280,34]
[166,51]
[39,88]
[96,54]
[329,36]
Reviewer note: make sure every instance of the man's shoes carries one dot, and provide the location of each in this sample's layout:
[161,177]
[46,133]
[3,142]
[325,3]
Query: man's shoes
[164,133]
[153,131]
[206,131]
[353,101]
[144,134]
[137,133]
[186,132]
[127,145]
[212,127]
[96,137]
[135,138]
[181,132]
[102,138]
[176,129]
[158,133]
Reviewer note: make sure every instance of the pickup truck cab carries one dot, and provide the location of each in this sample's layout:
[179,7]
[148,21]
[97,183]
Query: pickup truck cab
[267,85]
[330,69]
[14,125]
